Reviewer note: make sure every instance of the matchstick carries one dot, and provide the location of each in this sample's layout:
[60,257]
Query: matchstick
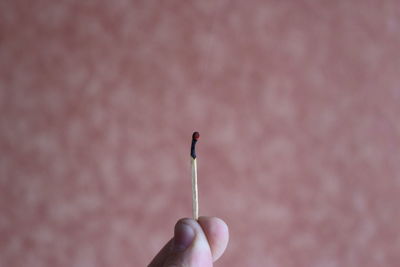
[195,190]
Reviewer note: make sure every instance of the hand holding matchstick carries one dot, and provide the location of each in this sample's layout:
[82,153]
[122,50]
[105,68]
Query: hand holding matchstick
[197,241]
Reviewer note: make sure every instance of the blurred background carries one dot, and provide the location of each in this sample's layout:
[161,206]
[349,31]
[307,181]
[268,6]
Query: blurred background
[297,104]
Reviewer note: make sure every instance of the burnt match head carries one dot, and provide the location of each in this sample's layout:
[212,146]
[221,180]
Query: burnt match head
[195,137]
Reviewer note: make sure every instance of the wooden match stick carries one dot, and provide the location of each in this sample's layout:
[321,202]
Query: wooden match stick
[195,190]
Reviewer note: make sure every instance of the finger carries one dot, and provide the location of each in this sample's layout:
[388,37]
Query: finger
[190,246]
[217,234]
[194,243]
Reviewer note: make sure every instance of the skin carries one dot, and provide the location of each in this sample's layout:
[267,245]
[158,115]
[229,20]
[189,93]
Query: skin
[210,238]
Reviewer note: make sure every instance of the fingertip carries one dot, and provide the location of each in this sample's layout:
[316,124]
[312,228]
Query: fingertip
[190,245]
[217,233]
[184,235]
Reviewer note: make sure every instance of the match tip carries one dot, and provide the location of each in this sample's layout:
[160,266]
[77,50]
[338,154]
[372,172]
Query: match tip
[195,136]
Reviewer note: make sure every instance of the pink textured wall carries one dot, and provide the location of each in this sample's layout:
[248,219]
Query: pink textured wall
[297,102]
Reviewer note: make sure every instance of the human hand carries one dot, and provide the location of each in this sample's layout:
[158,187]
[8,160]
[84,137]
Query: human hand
[195,244]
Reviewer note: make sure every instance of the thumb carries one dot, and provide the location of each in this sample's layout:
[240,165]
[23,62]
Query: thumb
[190,247]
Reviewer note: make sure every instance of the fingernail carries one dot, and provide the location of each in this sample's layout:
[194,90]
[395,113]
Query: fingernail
[183,237]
